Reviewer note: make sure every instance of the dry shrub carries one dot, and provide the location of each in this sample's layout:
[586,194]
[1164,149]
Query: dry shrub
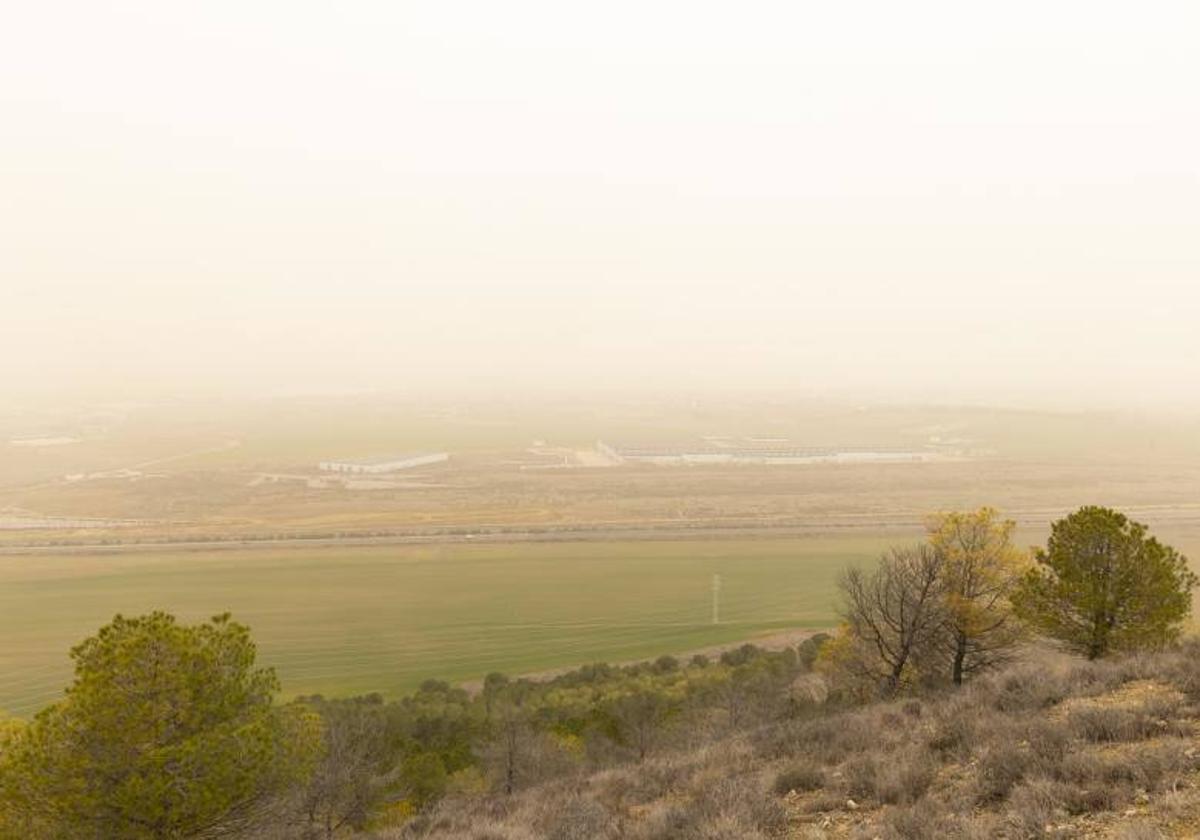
[917,821]
[905,776]
[800,777]
[1033,805]
[780,741]
[1150,766]
[929,819]
[956,729]
[1026,687]
[580,818]
[826,740]
[733,808]
[1042,801]
[1094,798]
[858,773]
[1181,668]
[892,778]
[999,770]
[1104,724]
[642,783]
[1088,679]
[1048,744]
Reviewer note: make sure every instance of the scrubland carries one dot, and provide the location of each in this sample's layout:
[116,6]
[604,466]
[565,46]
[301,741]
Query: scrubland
[1048,747]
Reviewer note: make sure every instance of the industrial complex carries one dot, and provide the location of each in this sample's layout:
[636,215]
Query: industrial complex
[750,451]
[384,463]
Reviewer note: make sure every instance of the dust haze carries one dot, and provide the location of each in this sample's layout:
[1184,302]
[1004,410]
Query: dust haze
[924,204]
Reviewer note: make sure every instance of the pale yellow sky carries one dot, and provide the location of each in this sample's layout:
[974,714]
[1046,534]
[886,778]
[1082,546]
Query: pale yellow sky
[922,200]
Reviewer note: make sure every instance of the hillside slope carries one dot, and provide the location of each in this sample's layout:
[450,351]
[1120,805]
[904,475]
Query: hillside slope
[1050,747]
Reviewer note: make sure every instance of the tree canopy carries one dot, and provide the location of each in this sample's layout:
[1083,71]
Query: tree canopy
[1103,584]
[980,568]
[168,731]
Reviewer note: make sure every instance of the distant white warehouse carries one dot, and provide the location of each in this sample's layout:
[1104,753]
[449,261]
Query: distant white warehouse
[385,463]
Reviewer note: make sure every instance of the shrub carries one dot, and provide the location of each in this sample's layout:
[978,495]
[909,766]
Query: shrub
[642,783]
[1048,744]
[1101,724]
[913,822]
[927,819]
[1093,798]
[1033,805]
[801,777]
[999,770]
[732,807]
[824,740]
[582,819]
[1151,766]
[900,777]
[904,777]
[859,775]
[808,650]
[1028,688]
[955,730]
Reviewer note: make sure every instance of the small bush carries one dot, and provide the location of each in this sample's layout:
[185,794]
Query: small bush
[1104,724]
[637,785]
[918,821]
[1094,798]
[1151,766]
[1027,688]
[1048,743]
[1033,805]
[734,807]
[801,777]
[808,650]
[828,740]
[956,730]
[895,778]
[859,775]
[582,819]
[904,777]
[999,770]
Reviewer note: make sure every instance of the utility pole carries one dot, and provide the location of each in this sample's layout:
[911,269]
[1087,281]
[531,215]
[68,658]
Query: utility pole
[716,595]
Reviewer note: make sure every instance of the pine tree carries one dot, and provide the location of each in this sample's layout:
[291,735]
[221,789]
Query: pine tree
[1102,584]
[167,731]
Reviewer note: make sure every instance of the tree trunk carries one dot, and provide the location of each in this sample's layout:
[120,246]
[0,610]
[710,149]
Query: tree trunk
[960,656]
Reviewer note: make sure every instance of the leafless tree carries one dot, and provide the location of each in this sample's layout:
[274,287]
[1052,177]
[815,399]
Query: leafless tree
[358,767]
[895,612]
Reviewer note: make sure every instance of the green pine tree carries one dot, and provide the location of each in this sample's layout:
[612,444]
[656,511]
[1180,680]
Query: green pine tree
[168,731]
[1101,585]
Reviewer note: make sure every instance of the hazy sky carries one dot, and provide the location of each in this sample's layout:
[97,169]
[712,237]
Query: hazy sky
[935,200]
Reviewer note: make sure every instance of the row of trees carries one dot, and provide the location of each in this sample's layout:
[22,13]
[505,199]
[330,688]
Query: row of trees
[963,600]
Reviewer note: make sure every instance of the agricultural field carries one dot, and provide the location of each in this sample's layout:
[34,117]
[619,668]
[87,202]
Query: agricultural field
[383,618]
[197,472]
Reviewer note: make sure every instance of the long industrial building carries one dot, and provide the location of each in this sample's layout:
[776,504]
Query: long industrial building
[757,454]
[385,463]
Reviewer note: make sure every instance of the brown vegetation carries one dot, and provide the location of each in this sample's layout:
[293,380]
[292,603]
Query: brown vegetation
[1048,747]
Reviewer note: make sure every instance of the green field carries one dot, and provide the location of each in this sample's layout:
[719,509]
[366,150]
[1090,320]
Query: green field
[343,620]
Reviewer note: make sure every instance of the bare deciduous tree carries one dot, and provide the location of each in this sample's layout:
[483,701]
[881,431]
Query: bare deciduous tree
[895,611]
